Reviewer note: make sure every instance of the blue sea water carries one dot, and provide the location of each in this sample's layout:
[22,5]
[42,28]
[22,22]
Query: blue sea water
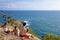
[42,22]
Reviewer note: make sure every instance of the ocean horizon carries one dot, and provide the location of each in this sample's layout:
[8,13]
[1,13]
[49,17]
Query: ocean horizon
[42,22]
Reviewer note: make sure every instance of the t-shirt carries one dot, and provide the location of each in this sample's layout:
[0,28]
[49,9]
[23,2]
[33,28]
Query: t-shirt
[5,29]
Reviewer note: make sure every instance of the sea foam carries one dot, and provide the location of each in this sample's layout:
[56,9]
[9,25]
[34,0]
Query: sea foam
[27,23]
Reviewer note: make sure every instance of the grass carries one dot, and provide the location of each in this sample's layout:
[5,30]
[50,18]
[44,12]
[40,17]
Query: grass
[33,33]
[51,37]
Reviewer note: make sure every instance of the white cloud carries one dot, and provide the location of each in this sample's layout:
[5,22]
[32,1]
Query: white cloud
[43,5]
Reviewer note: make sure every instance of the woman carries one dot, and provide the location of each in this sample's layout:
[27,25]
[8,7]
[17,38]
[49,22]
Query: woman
[24,31]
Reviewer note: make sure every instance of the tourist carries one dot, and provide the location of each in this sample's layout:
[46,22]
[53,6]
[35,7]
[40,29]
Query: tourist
[15,31]
[5,28]
[24,31]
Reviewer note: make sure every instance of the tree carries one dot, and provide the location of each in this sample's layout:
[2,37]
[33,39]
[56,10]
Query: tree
[2,12]
[10,18]
[5,17]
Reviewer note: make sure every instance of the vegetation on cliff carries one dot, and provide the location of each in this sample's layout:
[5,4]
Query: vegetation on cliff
[51,37]
[33,33]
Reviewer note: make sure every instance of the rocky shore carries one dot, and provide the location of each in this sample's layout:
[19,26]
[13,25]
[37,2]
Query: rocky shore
[4,36]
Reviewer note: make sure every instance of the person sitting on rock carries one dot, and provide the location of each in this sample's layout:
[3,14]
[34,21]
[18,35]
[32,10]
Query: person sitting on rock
[24,31]
[6,29]
[15,32]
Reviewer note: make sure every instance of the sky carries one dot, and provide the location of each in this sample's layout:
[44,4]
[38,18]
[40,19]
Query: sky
[29,4]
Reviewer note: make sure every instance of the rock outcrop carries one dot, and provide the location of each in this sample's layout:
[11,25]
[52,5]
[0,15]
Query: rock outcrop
[4,36]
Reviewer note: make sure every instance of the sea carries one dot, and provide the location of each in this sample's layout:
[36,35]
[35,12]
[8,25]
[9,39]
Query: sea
[42,22]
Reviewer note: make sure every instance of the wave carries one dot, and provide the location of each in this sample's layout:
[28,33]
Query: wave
[27,23]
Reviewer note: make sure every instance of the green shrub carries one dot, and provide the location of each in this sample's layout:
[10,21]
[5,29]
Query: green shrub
[51,37]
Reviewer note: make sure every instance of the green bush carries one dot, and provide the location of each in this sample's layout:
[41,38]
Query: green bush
[51,37]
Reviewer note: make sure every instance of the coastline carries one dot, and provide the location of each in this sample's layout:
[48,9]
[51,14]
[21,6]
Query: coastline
[35,37]
[46,37]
